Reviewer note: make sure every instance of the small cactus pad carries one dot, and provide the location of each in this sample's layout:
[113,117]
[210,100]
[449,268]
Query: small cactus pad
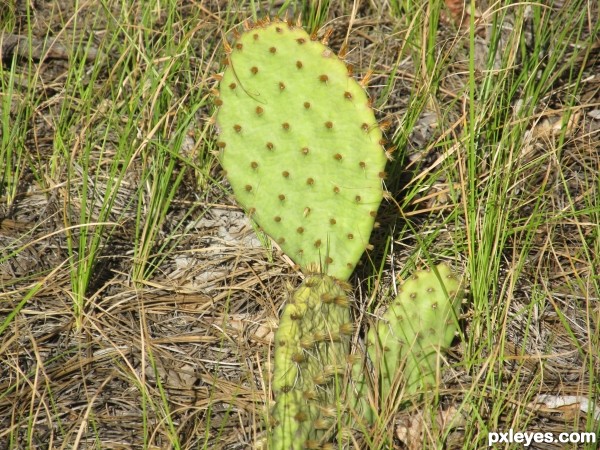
[300,145]
[311,347]
[417,325]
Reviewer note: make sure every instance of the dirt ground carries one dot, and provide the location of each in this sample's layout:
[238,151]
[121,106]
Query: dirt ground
[210,307]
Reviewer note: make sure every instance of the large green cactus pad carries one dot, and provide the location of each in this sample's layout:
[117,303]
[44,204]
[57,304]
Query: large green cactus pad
[311,347]
[301,146]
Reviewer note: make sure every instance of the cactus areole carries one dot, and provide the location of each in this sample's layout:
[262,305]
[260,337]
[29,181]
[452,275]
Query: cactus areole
[300,145]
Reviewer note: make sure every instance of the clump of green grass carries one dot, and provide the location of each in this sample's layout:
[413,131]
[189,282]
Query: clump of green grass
[491,168]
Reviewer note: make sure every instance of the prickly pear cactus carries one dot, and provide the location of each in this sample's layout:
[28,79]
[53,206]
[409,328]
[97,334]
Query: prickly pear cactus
[312,344]
[406,344]
[300,145]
